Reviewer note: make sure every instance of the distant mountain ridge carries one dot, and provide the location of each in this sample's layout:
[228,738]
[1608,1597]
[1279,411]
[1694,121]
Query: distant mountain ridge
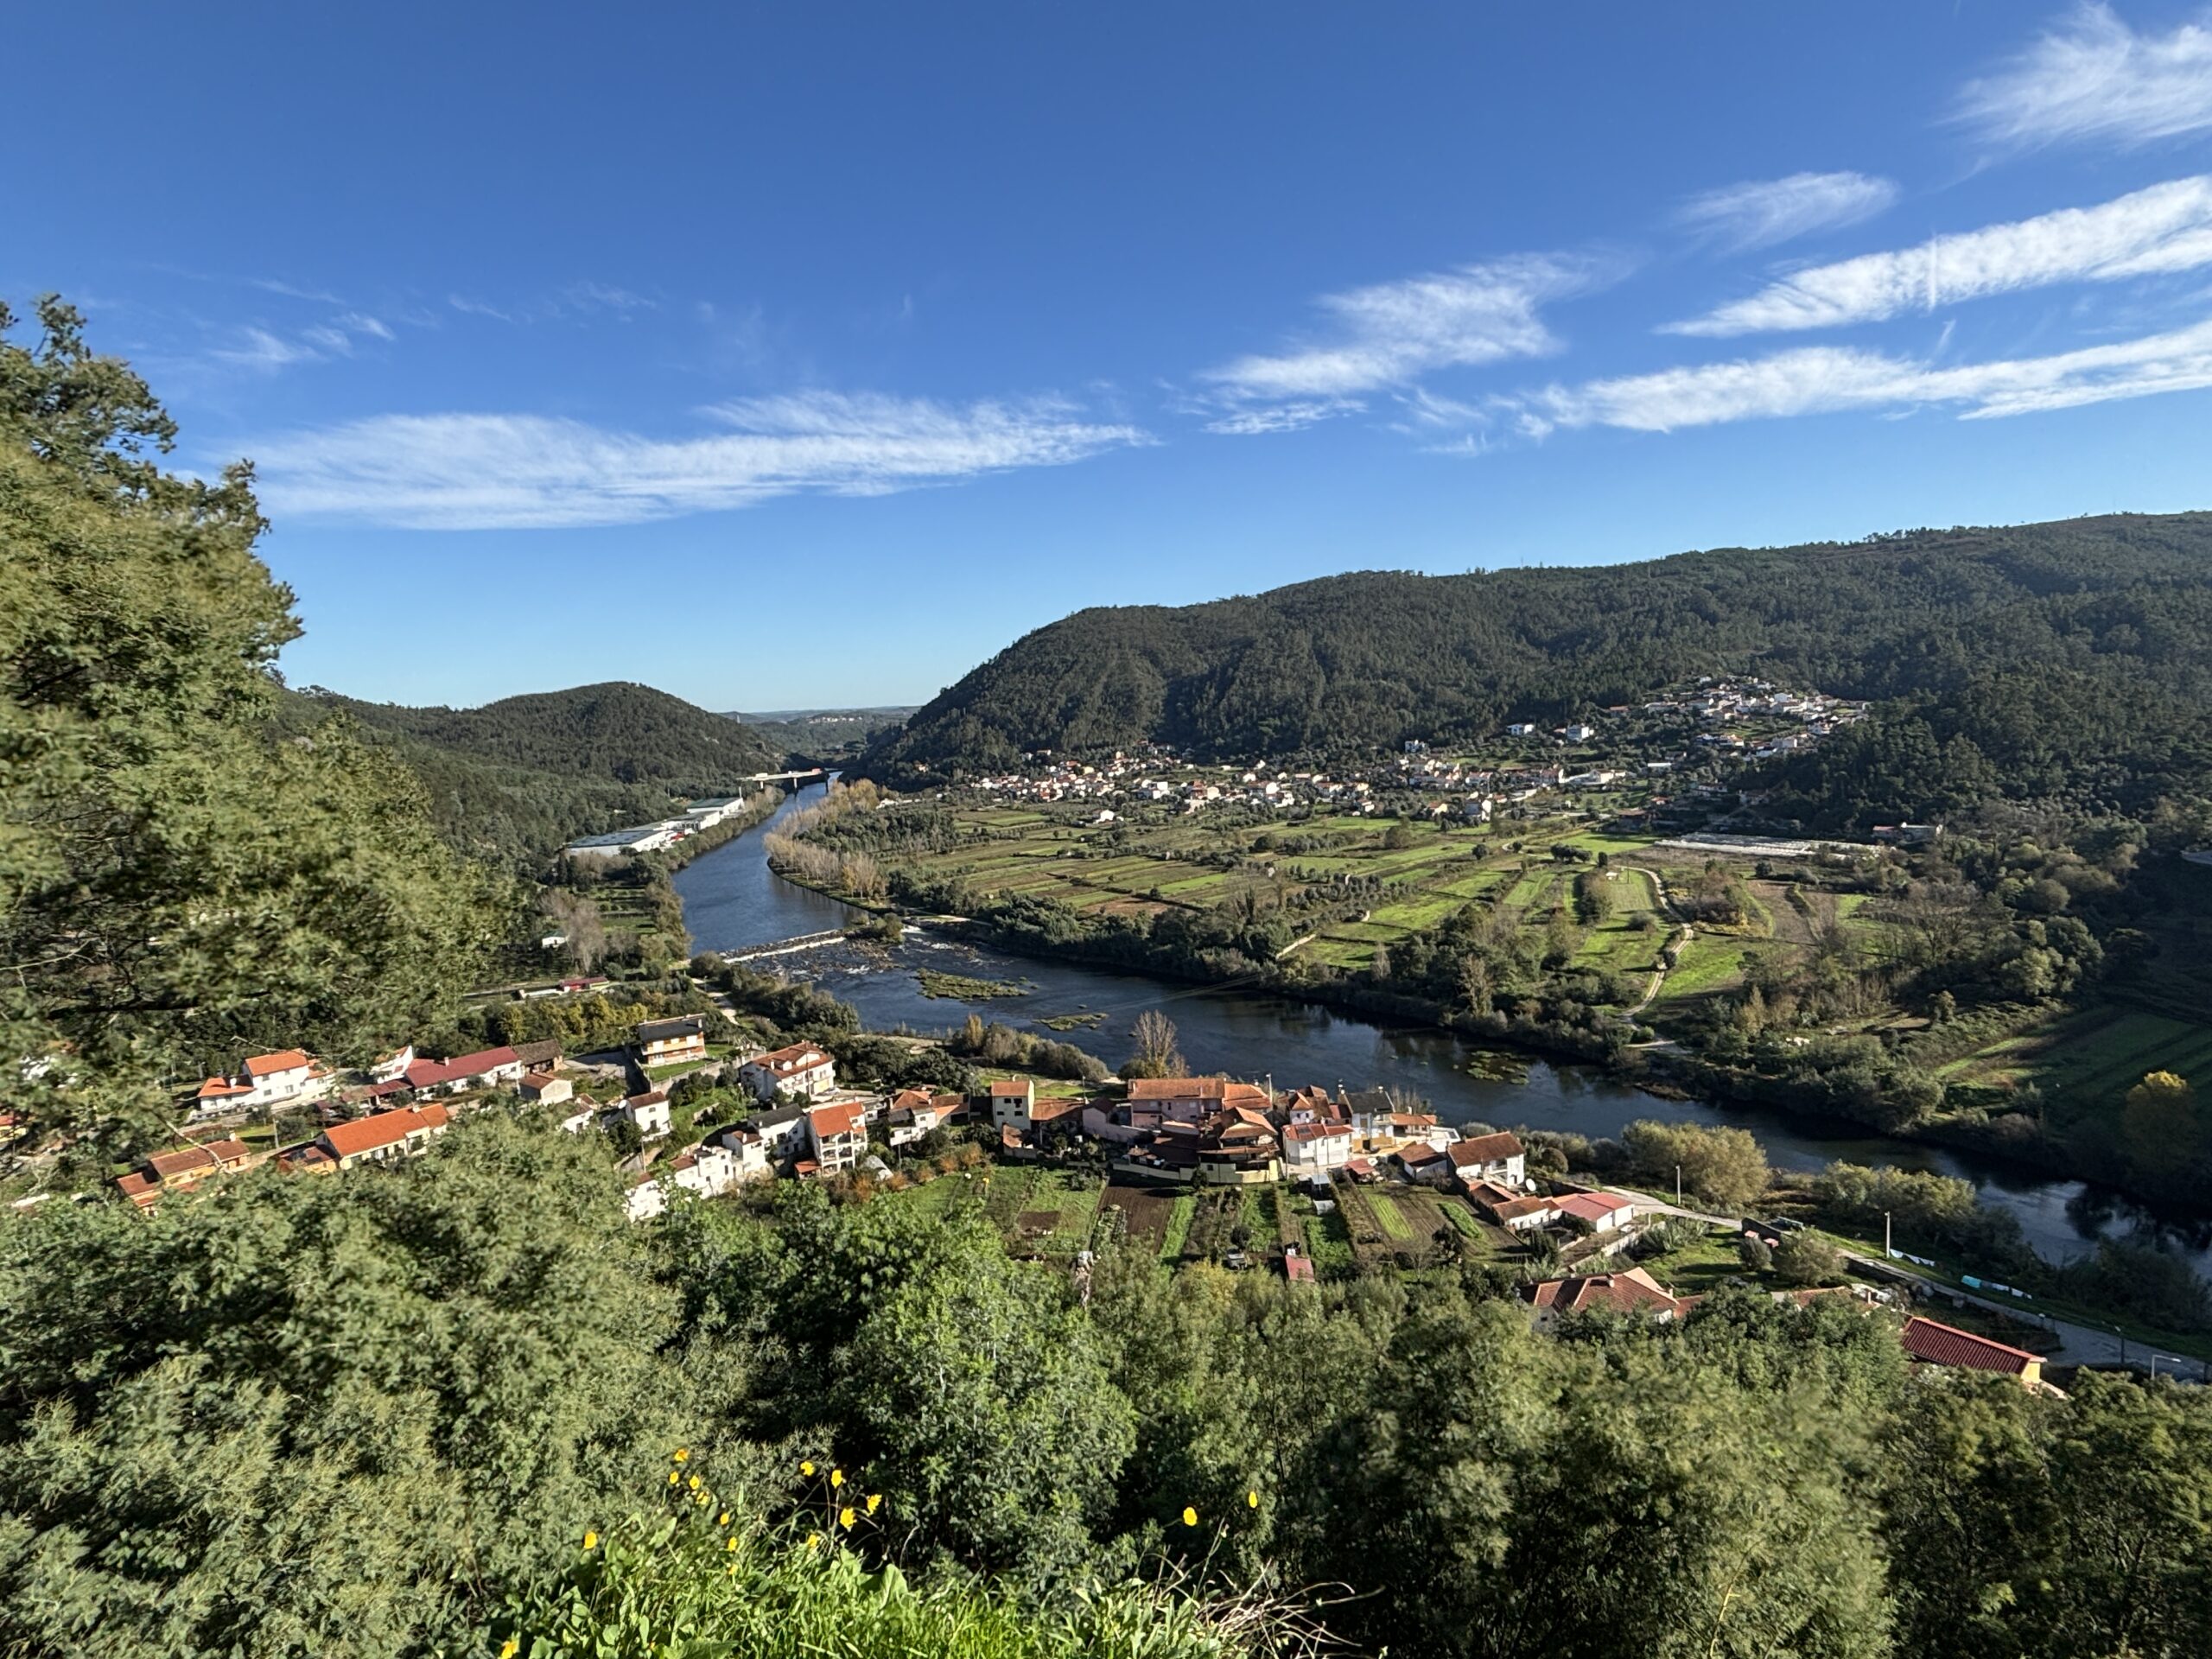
[2080,626]
[517,778]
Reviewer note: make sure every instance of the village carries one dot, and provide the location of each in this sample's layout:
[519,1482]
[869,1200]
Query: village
[1636,747]
[1343,1154]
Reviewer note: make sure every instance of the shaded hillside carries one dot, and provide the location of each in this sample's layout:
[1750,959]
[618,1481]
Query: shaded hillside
[515,778]
[2078,654]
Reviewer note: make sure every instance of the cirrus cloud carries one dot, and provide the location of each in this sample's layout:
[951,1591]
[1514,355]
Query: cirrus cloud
[1388,335]
[492,471]
[1759,214]
[1827,379]
[2096,78]
[2165,228]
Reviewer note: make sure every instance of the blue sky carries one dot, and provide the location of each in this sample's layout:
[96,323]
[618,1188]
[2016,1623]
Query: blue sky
[807,355]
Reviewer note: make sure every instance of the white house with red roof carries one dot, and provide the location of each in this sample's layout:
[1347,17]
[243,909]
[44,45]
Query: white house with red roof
[803,1068]
[838,1134]
[1013,1100]
[263,1082]
[1601,1212]
[1498,1158]
[1316,1144]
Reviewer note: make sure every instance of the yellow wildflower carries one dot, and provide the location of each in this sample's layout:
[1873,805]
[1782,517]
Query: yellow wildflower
[845,1517]
[696,1482]
[806,1468]
[1251,1500]
[836,1477]
[1190,1517]
[874,1501]
[591,1541]
[722,1520]
[731,1546]
[814,1541]
[673,1477]
[512,1649]
[683,1454]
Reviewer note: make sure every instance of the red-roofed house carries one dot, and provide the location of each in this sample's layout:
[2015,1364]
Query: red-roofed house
[1600,1213]
[486,1069]
[1316,1144]
[803,1068]
[181,1171]
[1012,1099]
[1521,1215]
[1932,1344]
[838,1134]
[1424,1163]
[265,1080]
[1498,1158]
[1632,1291]
[1297,1267]
[384,1138]
[275,1078]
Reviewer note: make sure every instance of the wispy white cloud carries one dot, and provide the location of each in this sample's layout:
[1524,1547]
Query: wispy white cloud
[1391,334]
[265,351]
[2165,228]
[2093,77]
[259,349]
[475,472]
[1283,417]
[1825,380]
[1761,212]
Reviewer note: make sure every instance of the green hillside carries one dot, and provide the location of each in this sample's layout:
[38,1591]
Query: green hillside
[515,778]
[2076,657]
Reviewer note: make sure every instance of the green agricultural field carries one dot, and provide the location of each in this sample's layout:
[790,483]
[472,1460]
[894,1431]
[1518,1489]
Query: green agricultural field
[2094,1059]
[1389,1216]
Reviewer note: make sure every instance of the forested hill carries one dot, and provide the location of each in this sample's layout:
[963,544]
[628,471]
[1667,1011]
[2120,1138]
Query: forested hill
[2101,625]
[515,778]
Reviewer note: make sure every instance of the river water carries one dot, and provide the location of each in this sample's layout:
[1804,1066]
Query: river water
[732,899]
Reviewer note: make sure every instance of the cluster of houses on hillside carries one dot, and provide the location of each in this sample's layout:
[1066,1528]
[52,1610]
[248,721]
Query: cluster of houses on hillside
[1202,1132]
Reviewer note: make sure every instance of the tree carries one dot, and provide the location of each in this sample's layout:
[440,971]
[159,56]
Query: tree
[1806,1259]
[2164,1133]
[1724,1168]
[1756,1257]
[1156,1055]
[1593,899]
[980,1400]
[351,1410]
[176,882]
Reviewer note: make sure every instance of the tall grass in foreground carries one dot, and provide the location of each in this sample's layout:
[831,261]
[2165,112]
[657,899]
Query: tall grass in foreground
[678,1589]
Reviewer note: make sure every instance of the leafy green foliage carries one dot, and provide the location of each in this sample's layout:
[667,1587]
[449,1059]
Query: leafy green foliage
[174,883]
[323,1416]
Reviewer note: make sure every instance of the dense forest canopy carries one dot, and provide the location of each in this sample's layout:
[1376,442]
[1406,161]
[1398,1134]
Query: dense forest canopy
[514,780]
[2074,658]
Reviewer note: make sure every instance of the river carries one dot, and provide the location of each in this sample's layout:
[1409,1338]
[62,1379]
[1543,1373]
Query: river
[732,899]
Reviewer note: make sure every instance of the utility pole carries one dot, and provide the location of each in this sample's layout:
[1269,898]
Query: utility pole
[1885,1234]
[1678,1185]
